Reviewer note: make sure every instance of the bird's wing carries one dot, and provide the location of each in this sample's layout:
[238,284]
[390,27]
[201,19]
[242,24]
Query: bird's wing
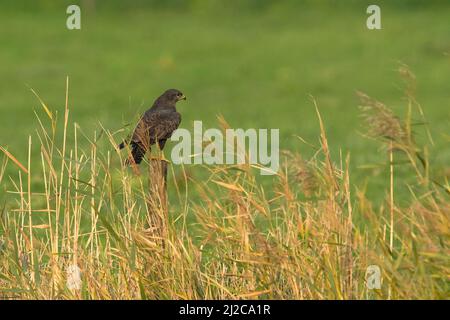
[155,126]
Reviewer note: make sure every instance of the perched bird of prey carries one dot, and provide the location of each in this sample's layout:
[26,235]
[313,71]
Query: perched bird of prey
[155,126]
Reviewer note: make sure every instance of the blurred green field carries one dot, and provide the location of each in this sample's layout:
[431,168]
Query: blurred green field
[255,64]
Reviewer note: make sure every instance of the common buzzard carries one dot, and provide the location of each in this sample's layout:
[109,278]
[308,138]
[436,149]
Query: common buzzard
[155,126]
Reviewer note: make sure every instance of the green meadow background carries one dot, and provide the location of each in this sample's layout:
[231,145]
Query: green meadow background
[254,62]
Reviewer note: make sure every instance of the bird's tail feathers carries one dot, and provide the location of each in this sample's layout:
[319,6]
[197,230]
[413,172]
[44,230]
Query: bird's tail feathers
[137,154]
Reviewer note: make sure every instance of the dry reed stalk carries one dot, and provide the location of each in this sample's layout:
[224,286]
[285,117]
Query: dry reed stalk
[30,218]
[391,198]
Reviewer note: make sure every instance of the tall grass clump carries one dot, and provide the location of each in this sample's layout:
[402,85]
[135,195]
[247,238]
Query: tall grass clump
[78,224]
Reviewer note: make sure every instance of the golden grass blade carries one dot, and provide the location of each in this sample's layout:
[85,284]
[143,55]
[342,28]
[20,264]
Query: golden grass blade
[41,226]
[44,106]
[254,294]
[17,162]
[229,186]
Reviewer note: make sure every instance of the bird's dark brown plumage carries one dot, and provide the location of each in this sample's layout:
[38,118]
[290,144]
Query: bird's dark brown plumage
[156,125]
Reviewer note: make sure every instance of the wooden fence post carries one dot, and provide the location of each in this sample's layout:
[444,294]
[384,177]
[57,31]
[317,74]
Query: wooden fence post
[157,201]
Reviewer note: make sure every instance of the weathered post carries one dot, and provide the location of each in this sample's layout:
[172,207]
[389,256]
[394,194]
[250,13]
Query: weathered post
[157,201]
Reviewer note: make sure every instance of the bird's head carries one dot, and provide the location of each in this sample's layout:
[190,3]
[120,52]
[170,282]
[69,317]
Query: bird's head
[172,96]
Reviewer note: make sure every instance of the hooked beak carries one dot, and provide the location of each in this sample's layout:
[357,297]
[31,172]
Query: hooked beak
[183,97]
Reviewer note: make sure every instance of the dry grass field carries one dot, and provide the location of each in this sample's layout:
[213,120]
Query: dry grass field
[94,229]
